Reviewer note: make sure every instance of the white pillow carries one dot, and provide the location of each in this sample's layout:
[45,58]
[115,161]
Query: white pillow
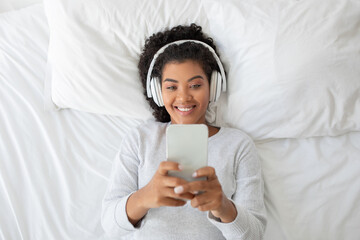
[293,66]
[6,6]
[95,46]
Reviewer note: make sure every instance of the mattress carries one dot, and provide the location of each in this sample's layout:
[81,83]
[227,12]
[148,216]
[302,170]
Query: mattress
[55,165]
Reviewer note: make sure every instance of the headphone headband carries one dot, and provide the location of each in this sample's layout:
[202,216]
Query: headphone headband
[162,49]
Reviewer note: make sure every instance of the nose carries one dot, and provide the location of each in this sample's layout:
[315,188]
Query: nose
[183,95]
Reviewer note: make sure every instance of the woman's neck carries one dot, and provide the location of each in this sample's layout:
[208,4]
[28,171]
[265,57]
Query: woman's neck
[212,130]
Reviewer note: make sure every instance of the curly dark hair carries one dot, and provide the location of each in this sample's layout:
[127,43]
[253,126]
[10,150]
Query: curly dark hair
[175,53]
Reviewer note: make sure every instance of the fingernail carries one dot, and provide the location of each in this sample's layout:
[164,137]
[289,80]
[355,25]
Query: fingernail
[178,189]
[194,174]
[180,167]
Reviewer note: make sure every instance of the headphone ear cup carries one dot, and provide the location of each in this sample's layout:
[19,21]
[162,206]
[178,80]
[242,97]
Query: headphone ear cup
[218,88]
[159,95]
[156,91]
[213,86]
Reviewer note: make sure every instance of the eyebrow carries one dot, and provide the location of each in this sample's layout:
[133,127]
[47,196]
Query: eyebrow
[176,81]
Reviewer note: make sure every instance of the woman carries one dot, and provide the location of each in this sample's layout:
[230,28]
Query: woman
[180,78]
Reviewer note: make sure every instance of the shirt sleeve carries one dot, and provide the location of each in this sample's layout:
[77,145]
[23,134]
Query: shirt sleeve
[248,199]
[114,219]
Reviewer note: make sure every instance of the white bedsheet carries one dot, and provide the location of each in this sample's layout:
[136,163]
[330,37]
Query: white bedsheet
[54,166]
[312,187]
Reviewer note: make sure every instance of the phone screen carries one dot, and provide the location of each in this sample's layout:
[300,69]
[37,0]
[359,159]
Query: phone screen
[187,144]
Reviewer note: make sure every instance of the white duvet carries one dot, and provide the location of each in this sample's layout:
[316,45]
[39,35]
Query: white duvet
[54,165]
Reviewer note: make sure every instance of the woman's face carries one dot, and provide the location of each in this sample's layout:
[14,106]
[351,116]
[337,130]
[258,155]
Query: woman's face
[185,91]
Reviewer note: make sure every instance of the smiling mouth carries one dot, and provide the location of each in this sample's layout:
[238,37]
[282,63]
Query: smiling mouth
[186,109]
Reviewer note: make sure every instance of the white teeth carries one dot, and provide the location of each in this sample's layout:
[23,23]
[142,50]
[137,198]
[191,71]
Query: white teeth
[185,109]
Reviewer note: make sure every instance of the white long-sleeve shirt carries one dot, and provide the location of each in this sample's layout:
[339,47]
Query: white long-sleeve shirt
[232,154]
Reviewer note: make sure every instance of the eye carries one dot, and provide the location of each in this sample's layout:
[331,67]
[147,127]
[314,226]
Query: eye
[171,88]
[195,86]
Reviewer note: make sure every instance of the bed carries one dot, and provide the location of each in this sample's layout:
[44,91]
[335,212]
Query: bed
[68,96]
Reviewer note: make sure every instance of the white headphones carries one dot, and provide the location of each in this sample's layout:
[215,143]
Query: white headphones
[217,81]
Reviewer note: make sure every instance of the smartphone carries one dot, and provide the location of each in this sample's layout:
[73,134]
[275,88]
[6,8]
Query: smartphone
[187,144]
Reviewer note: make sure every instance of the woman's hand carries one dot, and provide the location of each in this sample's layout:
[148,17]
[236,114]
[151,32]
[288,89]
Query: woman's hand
[211,197]
[158,192]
